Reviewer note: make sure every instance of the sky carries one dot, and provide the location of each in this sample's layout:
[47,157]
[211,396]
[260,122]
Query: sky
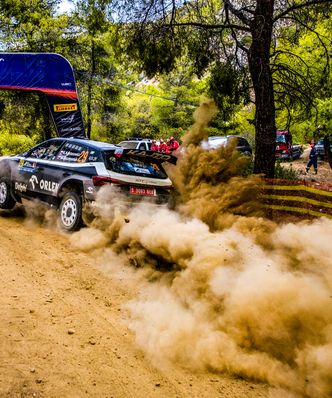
[65,6]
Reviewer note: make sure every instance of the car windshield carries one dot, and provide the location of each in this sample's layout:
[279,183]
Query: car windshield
[128,144]
[144,167]
[281,138]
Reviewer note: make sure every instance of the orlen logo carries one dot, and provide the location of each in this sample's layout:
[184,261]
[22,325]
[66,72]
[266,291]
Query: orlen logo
[65,107]
[44,185]
[34,181]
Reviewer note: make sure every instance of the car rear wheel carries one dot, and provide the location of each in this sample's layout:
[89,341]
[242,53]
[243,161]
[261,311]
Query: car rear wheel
[6,200]
[70,212]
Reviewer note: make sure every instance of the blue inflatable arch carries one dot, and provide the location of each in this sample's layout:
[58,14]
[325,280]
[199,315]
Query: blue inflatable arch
[52,75]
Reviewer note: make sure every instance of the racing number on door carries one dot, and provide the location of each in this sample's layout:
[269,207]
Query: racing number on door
[83,157]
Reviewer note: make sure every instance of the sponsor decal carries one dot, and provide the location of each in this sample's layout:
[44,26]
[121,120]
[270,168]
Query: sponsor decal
[92,158]
[83,157]
[162,156]
[70,129]
[26,166]
[141,170]
[2,60]
[65,84]
[155,155]
[136,152]
[68,119]
[44,185]
[33,181]
[50,186]
[65,107]
[19,186]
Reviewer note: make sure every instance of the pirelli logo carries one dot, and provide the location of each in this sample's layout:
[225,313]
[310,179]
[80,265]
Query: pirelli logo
[65,107]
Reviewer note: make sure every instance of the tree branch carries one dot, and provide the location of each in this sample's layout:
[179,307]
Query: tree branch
[299,6]
[211,26]
[238,13]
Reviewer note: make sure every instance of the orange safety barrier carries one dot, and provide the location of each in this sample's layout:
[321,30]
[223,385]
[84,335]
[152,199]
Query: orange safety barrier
[304,197]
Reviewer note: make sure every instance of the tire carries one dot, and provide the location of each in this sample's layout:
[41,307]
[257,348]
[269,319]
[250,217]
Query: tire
[171,204]
[6,199]
[70,212]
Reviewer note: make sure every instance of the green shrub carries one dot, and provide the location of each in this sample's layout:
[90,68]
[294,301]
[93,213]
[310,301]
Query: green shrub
[285,173]
[11,144]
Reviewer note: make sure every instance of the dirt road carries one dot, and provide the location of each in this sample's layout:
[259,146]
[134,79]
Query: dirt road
[63,329]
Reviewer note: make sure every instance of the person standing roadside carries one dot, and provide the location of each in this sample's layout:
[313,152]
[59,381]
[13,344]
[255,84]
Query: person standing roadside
[173,144]
[162,146]
[313,156]
[154,146]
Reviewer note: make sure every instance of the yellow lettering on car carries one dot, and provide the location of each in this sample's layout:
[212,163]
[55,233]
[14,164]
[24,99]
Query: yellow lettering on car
[83,157]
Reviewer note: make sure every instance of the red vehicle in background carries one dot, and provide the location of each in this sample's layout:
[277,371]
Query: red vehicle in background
[285,149]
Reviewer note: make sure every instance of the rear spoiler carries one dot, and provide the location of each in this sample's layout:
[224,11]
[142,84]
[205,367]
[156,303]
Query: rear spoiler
[153,155]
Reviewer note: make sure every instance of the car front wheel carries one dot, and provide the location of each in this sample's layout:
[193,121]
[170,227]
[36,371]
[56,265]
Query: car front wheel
[70,212]
[6,200]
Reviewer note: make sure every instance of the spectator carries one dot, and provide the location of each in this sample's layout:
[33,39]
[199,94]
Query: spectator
[162,146]
[312,158]
[154,146]
[168,149]
[173,144]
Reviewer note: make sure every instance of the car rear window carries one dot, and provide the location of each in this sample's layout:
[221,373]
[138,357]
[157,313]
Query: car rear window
[128,164]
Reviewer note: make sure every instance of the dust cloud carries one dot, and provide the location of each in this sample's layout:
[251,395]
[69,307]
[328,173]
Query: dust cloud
[213,185]
[228,292]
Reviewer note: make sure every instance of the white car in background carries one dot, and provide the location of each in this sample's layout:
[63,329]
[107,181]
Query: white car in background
[242,145]
[143,144]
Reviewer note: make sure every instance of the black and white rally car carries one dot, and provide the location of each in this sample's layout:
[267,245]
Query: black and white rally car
[67,172]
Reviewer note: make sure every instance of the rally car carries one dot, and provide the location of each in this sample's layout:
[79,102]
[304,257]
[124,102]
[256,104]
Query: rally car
[67,172]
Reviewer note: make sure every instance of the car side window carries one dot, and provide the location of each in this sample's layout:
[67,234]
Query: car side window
[73,152]
[142,146]
[38,152]
[46,151]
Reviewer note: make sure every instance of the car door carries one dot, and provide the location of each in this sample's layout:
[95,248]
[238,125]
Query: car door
[31,178]
[143,146]
[50,172]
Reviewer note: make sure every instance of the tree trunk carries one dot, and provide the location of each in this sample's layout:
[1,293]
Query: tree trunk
[90,84]
[327,150]
[47,120]
[259,65]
